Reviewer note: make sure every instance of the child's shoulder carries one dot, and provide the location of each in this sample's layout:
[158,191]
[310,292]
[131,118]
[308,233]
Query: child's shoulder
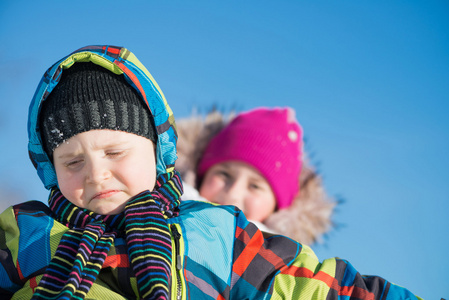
[32,205]
[189,208]
[32,208]
[200,217]
[29,216]
[29,235]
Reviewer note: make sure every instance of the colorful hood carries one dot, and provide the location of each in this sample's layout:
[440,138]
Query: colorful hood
[119,61]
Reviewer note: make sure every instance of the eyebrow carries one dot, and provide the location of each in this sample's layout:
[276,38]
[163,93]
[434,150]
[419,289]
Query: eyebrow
[66,155]
[108,145]
[258,178]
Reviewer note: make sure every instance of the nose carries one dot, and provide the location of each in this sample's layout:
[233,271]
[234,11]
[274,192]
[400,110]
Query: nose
[97,172]
[235,195]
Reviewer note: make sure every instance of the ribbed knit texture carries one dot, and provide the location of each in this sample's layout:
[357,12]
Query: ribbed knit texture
[91,97]
[84,247]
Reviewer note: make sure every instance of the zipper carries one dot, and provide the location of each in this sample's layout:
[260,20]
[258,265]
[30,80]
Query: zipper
[178,263]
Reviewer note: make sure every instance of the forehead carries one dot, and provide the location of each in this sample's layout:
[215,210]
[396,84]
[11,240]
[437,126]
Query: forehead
[101,138]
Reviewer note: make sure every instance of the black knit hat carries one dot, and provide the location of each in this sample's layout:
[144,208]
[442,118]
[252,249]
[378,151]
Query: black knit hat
[89,97]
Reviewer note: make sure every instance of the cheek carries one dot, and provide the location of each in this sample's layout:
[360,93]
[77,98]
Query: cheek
[71,188]
[140,174]
[260,208]
[211,187]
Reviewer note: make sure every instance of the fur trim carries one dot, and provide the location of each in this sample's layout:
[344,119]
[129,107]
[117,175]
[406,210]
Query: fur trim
[309,216]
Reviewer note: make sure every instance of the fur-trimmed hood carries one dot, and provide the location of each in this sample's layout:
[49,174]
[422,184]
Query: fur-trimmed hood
[309,216]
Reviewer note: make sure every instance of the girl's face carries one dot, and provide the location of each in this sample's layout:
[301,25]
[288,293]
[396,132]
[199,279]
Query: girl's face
[102,169]
[239,184]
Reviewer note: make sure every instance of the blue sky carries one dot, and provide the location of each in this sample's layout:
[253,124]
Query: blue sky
[369,82]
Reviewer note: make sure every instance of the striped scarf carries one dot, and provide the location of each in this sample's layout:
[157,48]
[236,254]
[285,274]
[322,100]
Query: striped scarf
[84,247]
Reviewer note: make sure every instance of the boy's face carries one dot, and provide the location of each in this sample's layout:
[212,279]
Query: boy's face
[102,169]
[239,184]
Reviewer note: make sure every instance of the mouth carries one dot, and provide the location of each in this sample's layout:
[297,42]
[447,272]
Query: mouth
[104,194]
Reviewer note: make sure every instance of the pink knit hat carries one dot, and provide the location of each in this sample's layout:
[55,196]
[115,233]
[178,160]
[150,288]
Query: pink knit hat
[270,140]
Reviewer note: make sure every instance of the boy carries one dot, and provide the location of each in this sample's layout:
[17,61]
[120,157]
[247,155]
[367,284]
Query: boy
[103,140]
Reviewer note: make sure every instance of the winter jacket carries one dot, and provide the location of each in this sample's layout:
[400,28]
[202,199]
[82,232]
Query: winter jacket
[217,253]
[309,216]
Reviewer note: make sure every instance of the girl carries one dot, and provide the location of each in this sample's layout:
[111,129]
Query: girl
[256,161]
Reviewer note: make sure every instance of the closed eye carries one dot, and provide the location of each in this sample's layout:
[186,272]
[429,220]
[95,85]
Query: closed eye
[115,154]
[73,163]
